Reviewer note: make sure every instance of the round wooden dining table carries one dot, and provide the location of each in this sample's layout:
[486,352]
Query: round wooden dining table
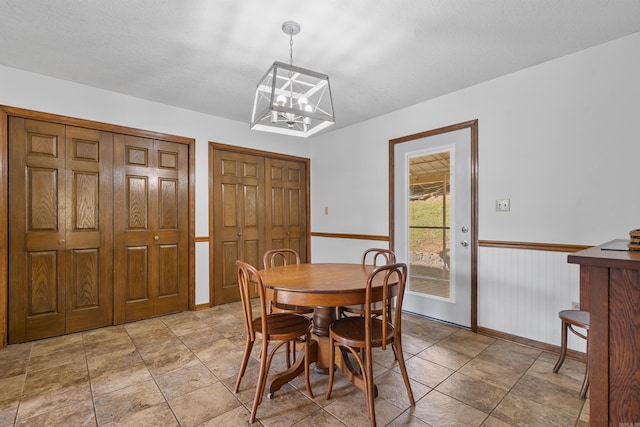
[323,287]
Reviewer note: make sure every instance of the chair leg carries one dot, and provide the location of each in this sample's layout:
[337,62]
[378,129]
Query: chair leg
[262,380]
[585,383]
[369,395]
[563,347]
[243,365]
[397,350]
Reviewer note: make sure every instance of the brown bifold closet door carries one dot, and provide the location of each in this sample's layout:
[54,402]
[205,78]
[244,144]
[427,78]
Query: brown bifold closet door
[238,218]
[151,253]
[60,234]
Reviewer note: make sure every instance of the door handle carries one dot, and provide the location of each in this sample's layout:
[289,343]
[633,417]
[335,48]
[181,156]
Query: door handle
[61,242]
[156,238]
[464,243]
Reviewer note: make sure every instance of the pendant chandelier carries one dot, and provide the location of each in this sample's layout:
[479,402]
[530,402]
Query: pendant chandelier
[291,100]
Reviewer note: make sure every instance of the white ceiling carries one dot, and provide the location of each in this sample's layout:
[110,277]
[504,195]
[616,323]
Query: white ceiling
[380,55]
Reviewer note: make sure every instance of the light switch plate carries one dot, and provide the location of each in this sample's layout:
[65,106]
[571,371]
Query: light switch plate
[503,205]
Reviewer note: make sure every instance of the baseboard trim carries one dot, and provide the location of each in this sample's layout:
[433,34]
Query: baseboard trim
[572,354]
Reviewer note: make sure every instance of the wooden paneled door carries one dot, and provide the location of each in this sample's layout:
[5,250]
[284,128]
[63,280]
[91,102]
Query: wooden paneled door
[286,205]
[151,253]
[60,238]
[238,218]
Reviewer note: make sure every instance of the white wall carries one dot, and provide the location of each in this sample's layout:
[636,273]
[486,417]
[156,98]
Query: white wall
[36,92]
[559,139]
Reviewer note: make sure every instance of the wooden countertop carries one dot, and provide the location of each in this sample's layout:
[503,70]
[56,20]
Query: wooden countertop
[599,257]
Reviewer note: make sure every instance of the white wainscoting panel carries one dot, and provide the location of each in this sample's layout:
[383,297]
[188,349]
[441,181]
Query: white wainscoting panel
[521,291]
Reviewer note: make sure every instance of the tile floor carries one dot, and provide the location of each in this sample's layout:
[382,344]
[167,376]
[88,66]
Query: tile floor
[181,369]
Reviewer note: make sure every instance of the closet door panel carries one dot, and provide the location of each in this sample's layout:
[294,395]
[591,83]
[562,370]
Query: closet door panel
[238,218]
[89,231]
[37,230]
[134,250]
[286,205]
[172,226]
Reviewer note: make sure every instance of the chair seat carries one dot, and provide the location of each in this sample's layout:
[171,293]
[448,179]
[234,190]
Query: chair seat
[376,309]
[577,318]
[283,326]
[351,331]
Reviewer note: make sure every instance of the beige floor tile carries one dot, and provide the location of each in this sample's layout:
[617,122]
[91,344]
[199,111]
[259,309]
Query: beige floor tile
[392,389]
[79,415]
[158,415]
[514,356]
[52,345]
[103,335]
[438,409]
[110,380]
[413,345]
[426,372]
[203,404]
[351,409]
[476,393]
[500,376]
[287,407]
[123,403]
[185,380]
[54,398]
[169,357]
[494,422]
[570,375]
[319,419]
[405,419]
[444,356]
[236,417]
[466,343]
[551,396]
[518,411]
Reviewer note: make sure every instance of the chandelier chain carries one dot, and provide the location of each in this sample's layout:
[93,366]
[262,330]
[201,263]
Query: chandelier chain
[291,48]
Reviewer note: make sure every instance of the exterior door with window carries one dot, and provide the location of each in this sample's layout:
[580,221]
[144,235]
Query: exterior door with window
[433,228]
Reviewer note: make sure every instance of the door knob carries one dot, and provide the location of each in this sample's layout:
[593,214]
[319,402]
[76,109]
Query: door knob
[61,242]
[464,243]
[156,238]
[465,229]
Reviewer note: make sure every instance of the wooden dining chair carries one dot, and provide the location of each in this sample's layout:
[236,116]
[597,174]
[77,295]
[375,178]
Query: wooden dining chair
[580,319]
[376,257]
[274,257]
[358,335]
[283,328]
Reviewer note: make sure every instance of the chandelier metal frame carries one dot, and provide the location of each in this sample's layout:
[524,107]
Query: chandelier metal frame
[292,100]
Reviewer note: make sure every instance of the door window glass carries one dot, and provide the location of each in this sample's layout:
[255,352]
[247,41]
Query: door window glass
[429,224]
